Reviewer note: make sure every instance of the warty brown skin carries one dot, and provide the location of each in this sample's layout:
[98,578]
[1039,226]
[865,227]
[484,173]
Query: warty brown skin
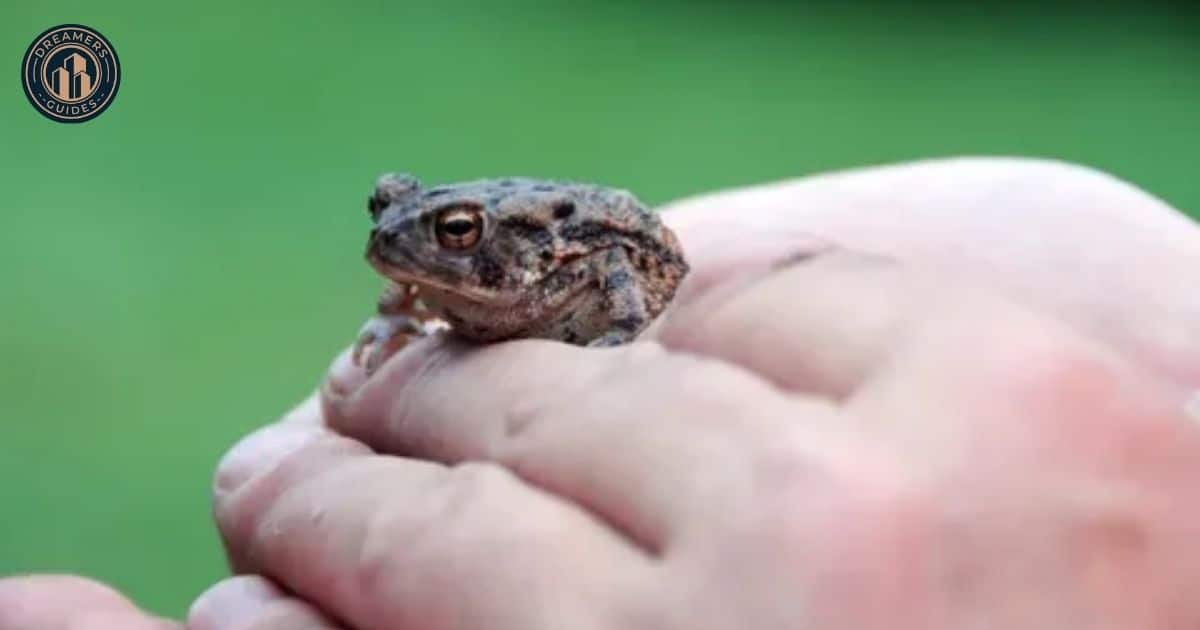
[513,258]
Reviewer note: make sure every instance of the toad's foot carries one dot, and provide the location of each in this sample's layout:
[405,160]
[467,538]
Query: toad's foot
[384,335]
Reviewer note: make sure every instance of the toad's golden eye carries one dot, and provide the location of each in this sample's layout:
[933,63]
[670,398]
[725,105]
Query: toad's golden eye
[459,227]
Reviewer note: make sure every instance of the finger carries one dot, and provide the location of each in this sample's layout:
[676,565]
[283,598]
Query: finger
[887,340]
[409,388]
[828,324]
[251,602]
[642,438]
[725,248]
[821,325]
[1097,252]
[303,425]
[1019,392]
[53,602]
[378,540]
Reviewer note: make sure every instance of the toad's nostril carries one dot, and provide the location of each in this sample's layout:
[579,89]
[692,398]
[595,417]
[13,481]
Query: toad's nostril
[385,237]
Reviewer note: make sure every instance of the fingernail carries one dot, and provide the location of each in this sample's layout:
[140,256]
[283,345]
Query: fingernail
[232,603]
[261,451]
[346,380]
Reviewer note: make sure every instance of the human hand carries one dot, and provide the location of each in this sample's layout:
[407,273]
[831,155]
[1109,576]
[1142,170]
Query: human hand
[63,602]
[840,442]
[68,602]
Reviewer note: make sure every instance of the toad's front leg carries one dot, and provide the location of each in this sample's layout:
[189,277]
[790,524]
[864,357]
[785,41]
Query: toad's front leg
[624,299]
[400,317]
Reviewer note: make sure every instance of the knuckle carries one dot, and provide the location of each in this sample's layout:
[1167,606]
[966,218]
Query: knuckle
[476,493]
[464,530]
[526,416]
[846,510]
[240,510]
[1055,369]
[1043,364]
[259,452]
[472,484]
[1013,349]
[523,417]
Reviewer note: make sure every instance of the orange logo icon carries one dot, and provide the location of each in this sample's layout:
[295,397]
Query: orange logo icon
[71,81]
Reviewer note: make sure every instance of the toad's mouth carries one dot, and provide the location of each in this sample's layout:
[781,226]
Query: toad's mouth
[427,285]
[432,287]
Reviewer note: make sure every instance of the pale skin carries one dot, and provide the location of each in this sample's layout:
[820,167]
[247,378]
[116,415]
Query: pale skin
[959,404]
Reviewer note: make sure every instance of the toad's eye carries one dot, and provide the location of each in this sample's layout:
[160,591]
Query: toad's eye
[459,227]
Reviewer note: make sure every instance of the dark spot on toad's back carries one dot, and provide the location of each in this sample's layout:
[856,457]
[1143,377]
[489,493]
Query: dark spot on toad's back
[564,209]
[630,324]
[523,224]
[529,229]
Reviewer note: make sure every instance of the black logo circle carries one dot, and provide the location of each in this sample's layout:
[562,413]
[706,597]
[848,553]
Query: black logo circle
[71,73]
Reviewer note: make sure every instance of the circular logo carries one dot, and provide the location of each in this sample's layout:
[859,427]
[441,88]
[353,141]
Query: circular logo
[71,73]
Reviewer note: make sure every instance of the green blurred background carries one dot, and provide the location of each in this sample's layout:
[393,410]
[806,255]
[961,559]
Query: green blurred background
[179,270]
